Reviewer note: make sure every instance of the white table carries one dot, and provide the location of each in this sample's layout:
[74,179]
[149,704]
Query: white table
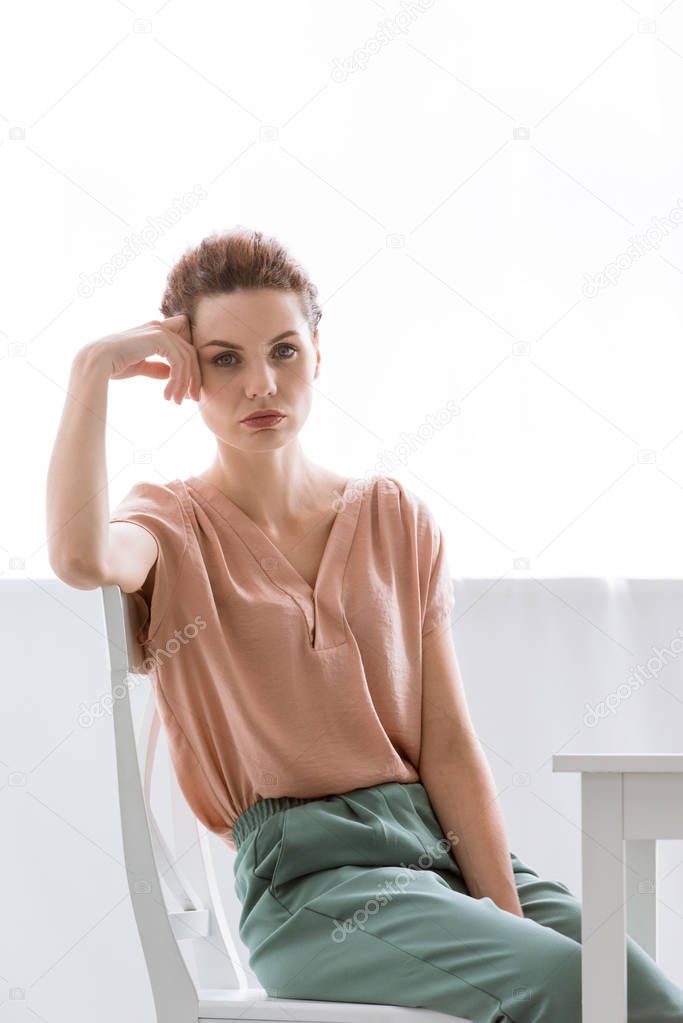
[627,803]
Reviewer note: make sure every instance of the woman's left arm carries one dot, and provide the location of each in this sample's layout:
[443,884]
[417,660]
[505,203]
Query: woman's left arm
[458,779]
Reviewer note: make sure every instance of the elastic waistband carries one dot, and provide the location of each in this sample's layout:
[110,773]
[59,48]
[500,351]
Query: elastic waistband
[260,811]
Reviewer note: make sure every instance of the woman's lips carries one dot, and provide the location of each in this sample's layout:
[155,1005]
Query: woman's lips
[259,422]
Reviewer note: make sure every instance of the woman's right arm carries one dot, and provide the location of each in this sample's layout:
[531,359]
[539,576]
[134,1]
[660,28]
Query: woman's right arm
[85,550]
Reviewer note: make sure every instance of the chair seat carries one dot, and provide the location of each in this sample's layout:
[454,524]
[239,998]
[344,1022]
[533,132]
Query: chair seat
[254,1004]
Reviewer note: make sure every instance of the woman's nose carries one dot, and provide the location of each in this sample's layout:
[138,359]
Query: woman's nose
[259,381]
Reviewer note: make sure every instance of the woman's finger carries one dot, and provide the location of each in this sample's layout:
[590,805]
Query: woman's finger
[156,370]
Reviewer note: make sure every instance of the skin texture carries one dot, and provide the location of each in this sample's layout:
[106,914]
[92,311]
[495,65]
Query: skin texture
[264,471]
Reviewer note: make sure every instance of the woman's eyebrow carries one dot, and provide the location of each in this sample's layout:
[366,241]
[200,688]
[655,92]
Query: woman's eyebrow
[238,348]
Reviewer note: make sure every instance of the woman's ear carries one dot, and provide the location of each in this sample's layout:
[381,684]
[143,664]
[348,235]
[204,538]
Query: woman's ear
[316,347]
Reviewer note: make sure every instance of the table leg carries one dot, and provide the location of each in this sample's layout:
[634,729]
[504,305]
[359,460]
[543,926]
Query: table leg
[603,913]
[641,882]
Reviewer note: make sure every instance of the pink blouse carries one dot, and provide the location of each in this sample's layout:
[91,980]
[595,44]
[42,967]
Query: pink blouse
[265,686]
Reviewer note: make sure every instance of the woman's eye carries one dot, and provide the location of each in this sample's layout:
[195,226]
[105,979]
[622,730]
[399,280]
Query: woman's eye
[226,355]
[287,346]
[229,355]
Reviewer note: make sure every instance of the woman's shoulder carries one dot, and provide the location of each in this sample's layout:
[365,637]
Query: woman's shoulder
[379,484]
[402,495]
[163,501]
[401,505]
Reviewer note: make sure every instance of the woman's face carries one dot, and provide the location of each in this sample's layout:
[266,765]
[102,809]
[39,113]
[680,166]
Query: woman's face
[255,351]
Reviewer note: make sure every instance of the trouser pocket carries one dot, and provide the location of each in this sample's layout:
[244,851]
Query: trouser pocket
[316,836]
[379,826]
[354,829]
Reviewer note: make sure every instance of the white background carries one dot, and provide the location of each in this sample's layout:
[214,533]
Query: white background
[450,255]
[451,192]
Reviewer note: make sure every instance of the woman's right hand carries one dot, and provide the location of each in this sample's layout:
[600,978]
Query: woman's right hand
[127,352]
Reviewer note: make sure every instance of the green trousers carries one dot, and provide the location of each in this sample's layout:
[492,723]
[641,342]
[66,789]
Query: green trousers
[358,898]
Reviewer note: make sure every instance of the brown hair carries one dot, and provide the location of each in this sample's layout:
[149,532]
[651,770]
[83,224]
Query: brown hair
[239,259]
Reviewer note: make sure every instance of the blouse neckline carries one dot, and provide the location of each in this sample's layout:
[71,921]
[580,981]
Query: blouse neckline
[321,604]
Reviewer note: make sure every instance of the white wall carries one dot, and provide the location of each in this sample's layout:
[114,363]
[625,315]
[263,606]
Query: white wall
[533,655]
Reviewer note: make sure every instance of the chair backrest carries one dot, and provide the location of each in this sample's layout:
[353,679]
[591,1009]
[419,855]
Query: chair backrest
[190,946]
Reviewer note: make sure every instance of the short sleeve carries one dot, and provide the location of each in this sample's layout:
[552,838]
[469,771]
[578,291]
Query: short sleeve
[157,509]
[438,598]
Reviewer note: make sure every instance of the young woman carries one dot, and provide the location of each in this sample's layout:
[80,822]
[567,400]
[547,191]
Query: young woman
[297,629]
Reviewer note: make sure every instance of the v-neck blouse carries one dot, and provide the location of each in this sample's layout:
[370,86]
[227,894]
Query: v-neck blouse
[267,686]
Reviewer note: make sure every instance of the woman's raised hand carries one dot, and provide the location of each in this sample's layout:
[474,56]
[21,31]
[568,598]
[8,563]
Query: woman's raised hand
[171,338]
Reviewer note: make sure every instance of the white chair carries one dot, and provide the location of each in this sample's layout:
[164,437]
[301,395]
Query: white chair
[197,968]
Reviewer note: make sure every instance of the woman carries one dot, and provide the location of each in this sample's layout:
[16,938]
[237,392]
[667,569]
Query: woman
[297,630]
